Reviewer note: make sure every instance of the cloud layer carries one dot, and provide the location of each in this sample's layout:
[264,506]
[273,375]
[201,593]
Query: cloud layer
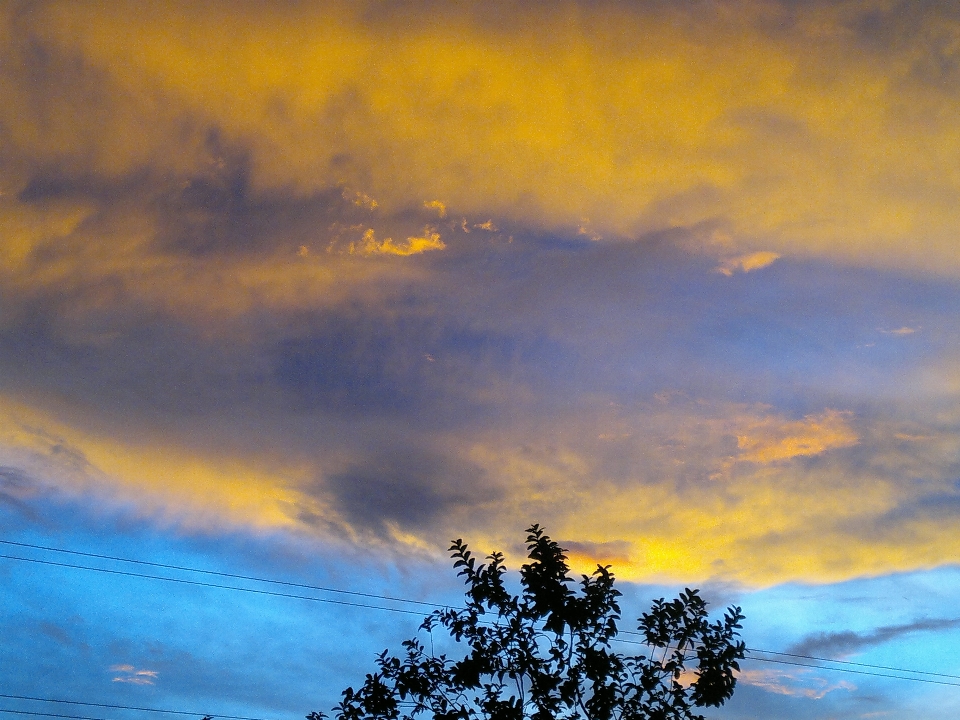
[683,290]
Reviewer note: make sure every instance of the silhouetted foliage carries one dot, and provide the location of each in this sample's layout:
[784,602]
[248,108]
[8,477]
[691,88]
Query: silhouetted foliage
[547,655]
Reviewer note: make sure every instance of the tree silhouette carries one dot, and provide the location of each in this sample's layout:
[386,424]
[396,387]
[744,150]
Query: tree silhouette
[546,654]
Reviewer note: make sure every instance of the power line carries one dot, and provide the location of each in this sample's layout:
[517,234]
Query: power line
[409,612]
[219,574]
[825,660]
[199,583]
[54,715]
[322,588]
[752,652]
[122,707]
[850,662]
[857,672]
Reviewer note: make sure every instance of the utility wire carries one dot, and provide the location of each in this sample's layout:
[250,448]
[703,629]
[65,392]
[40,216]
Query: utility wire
[123,707]
[850,662]
[341,591]
[858,672]
[401,610]
[220,574]
[752,656]
[53,715]
[211,585]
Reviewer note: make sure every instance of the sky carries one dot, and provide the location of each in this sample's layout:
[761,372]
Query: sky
[303,291]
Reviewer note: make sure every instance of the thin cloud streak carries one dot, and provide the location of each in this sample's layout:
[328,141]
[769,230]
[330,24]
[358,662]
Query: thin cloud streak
[795,683]
[133,676]
[847,643]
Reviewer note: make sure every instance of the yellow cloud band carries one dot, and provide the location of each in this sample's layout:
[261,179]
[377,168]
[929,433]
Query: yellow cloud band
[799,139]
[761,519]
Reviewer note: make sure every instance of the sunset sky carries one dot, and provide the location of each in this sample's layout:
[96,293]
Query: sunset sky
[304,290]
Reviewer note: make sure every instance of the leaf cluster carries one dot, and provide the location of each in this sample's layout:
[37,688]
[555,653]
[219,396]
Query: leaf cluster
[547,653]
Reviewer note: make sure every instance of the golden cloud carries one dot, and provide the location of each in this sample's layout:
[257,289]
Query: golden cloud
[167,483]
[773,439]
[800,140]
[796,141]
[87,265]
[747,263]
[752,522]
[440,208]
[769,525]
[369,245]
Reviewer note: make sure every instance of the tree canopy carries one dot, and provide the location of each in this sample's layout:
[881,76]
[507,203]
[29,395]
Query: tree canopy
[548,653]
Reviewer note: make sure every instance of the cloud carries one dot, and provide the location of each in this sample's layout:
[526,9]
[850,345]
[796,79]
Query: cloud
[782,122]
[374,451]
[795,683]
[847,643]
[747,263]
[185,329]
[369,245]
[612,552]
[407,491]
[15,487]
[438,206]
[773,439]
[361,199]
[133,676]
[191,489]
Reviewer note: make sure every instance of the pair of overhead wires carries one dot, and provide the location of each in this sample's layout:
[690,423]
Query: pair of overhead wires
[354,598]
[106,706]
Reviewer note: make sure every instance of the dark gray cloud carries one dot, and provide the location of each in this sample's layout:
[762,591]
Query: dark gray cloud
[15,487]
[413,489]
[845,643]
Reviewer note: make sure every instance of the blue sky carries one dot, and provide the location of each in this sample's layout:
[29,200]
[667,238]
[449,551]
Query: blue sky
[304,292]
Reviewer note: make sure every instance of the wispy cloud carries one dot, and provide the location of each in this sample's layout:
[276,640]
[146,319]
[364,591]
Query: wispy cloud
[369,245]
[15,487]
[773,439]
[795,683]
[747,263]
[438,206]
[360,199]
[133,676]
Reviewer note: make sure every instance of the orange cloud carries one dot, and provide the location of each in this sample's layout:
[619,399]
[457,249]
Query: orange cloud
[747,263]
[771,439]
[369,245]
[438,206]
[752,522]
